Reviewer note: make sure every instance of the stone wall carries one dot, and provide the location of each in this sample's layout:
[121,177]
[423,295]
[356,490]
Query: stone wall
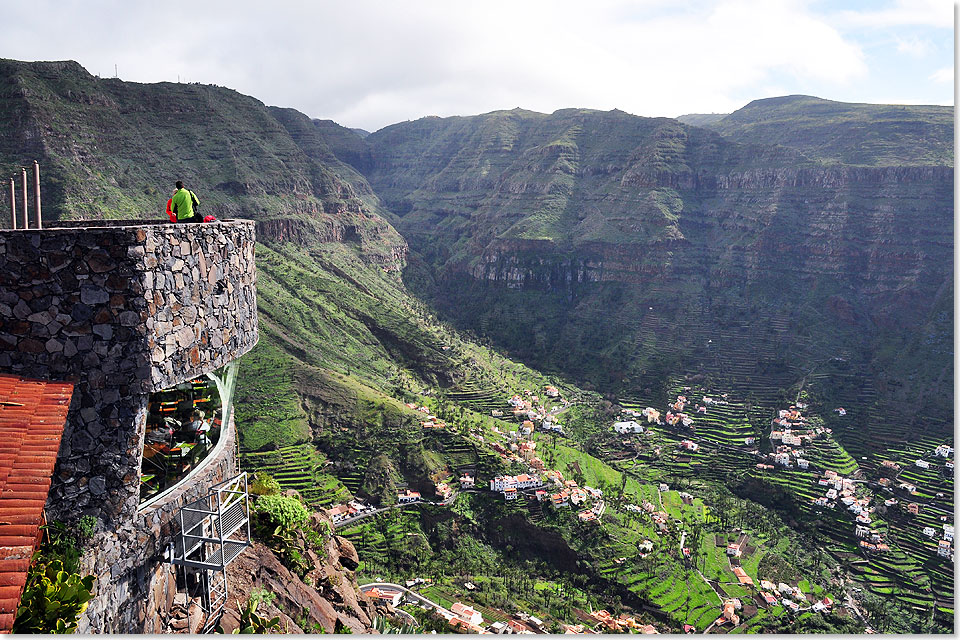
[122,310]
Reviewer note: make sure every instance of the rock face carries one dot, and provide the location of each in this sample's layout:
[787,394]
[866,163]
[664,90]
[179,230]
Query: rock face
[124,310]
[332,598]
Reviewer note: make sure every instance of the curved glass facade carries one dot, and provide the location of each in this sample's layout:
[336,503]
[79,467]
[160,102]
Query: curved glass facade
[184,425]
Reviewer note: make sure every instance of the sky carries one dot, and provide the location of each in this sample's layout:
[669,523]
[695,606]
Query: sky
[370,63]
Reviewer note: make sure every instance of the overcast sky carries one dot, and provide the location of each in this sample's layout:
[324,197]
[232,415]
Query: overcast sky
[369,63]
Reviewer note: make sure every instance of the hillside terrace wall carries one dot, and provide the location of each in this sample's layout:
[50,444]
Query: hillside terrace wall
[123,309]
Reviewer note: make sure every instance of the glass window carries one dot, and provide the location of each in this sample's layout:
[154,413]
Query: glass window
[184,424]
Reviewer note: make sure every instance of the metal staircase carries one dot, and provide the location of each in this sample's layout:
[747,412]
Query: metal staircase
[214,530]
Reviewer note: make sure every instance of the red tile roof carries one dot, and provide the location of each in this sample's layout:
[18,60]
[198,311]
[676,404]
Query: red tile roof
[32,414]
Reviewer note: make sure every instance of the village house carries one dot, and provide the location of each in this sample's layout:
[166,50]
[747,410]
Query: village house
[390,596]
[922,464]
[467,481]
[929,532]
[408,496]
[552,392]
[749,441]
[733,549]
[742,576]
[943,549]
[948,532]
[510,493]
[629,426]
[525,481]
[803,464]
[587,516]
[561,499]
[443,490]
[944,451]
[689,445]
[913,508]
[466,613]
[339,513]
[501,483]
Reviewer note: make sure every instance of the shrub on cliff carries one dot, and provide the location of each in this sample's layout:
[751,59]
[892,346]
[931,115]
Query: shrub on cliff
[283,513]
[264,485]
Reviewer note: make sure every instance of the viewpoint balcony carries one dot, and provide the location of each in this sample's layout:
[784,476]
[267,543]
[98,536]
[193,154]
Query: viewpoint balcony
[128,311]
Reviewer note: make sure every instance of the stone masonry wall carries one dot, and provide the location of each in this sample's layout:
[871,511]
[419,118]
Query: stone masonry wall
[122,310]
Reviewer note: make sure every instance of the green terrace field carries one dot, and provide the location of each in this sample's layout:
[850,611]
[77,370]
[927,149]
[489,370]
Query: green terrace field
[300,467]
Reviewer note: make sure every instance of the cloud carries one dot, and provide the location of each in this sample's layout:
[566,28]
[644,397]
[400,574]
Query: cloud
[916,47]
[943,76]
[369,63]
[926,13]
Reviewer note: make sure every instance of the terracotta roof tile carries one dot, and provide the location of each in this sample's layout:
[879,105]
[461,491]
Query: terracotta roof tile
[32,415]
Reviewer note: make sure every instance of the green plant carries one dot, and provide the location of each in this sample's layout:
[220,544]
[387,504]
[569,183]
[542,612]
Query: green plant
[63,545]
[250,621]
[382,625]
[282,512]
[264,485]
[53,599]
[264,596]
[85,528]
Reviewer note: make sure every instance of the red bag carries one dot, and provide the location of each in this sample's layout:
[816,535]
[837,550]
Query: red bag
[209,219]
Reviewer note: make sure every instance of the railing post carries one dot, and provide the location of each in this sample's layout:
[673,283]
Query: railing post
[13,203]
[26,219]
[36,193]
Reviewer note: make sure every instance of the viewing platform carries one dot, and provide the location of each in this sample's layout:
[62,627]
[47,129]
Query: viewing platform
[146,320]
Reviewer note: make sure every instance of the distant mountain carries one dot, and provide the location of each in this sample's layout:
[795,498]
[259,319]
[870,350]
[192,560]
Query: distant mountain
[363,133]
[702,119]
[875,135]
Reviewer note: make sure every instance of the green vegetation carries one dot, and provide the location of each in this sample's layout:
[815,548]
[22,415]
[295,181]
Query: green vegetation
[53,599]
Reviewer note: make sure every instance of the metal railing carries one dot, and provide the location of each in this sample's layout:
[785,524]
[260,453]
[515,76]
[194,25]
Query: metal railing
[214,530]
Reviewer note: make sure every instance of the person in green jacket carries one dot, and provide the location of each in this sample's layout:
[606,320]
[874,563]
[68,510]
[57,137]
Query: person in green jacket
[184,204]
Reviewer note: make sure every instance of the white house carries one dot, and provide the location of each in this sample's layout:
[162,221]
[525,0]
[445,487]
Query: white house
[502,483]
[944,451]
[467,481]
[510,493]
[923,464]
[948,532]
[630,426]
[929,532]
[523,481]
[408,496]
[782,459]
[803,464]
[943,549]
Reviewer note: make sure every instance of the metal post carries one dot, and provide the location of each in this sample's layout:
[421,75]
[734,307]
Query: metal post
[36,193]
[26,219]
[13,203]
